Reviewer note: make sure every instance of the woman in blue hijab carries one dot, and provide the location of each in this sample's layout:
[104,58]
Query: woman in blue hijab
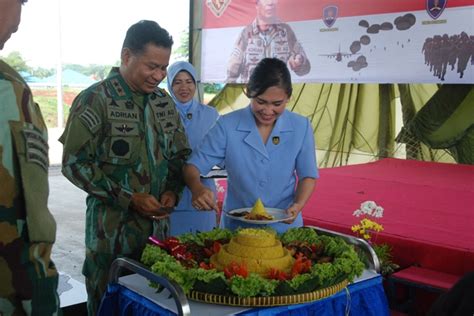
[197,119]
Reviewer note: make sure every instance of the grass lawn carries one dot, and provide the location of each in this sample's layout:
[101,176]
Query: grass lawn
[47,100]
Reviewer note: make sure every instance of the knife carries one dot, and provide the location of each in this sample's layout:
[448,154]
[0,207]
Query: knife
[162,212]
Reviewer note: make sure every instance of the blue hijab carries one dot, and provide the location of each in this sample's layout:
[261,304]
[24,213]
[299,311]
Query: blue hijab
[173,70]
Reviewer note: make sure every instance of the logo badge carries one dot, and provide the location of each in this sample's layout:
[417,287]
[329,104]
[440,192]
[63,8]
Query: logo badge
[276,140]
[435,8]
[330,15]
[217,7]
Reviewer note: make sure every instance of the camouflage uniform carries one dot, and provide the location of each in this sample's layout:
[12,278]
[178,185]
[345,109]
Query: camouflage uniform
[28,277]
[252,45]
[118,142]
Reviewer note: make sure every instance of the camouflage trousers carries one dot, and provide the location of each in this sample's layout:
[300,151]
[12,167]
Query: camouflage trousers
[29,279]
[97,266]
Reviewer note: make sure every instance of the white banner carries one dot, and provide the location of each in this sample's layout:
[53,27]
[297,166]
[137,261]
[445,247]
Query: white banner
[347,41]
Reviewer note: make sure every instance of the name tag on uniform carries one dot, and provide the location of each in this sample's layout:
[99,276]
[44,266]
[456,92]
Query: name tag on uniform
[122,115]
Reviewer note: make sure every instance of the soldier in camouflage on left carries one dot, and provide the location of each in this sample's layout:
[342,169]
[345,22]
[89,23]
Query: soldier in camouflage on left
[125,145]
[28,277]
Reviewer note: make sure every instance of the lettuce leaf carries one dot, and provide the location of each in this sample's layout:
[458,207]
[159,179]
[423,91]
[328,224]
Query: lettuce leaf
[200,237]
[253,285]
[306,234]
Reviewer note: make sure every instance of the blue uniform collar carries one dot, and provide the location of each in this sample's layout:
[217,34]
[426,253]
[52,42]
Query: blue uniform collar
[280,133]
[247,123]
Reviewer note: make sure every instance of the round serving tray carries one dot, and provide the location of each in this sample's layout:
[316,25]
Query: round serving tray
[267,300]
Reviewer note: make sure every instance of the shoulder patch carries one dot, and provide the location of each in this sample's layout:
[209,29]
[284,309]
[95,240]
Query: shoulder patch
[90,119]
[36,148]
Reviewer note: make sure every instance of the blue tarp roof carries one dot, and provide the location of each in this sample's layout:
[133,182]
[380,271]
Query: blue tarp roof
[29,77]
[69,78]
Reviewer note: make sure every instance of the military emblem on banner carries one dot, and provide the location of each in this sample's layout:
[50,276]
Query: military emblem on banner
[330,15]
[217,6]
[435,7]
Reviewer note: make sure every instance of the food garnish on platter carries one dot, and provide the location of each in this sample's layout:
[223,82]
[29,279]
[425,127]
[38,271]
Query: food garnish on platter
[255,263]
[257,249]
[258,212]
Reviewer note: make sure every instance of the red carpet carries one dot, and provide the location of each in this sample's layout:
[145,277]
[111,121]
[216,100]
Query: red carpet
[428,209]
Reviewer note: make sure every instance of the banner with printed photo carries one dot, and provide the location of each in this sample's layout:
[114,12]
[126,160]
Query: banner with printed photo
[347,41]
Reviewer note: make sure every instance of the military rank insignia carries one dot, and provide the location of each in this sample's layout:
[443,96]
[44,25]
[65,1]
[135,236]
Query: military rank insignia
[36,148]
[90,119]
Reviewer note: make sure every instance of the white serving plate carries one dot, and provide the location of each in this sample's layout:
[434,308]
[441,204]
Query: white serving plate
[279,215]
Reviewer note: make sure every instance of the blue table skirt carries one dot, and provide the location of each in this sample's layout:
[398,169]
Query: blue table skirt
[363,298]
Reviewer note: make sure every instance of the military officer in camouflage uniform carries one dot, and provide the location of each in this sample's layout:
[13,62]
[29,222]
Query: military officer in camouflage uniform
[267,36]
[124,144]
[28,277]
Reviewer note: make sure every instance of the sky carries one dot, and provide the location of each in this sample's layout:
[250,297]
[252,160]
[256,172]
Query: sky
[91,32]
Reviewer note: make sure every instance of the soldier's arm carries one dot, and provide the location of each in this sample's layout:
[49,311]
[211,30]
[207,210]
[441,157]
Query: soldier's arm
[82,135]
[180,152]
[236,61]
[297,50]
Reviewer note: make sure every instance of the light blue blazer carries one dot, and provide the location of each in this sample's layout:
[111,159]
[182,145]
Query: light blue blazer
[257,170]
[186,219]
[199,119]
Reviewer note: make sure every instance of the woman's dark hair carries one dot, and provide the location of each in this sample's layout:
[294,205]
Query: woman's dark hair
[269,72]
[144,32]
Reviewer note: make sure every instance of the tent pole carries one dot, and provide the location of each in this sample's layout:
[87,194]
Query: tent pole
[191,31]
[59,72]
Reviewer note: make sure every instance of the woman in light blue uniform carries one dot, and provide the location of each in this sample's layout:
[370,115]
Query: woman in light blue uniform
[197,119]
[268,152]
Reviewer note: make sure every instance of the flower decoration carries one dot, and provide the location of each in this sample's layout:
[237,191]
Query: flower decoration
[366,226]
[369,208]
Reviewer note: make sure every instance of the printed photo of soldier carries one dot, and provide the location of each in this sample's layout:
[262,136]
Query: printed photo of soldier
[266,36]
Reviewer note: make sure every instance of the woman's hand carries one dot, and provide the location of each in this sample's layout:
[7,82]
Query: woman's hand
[203,199]
[293,212]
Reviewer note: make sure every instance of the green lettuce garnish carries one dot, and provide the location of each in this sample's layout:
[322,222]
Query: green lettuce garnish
[199,238]
[253,285]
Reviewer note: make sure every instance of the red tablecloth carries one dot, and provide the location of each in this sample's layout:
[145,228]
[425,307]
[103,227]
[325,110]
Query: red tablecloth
[429,209]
